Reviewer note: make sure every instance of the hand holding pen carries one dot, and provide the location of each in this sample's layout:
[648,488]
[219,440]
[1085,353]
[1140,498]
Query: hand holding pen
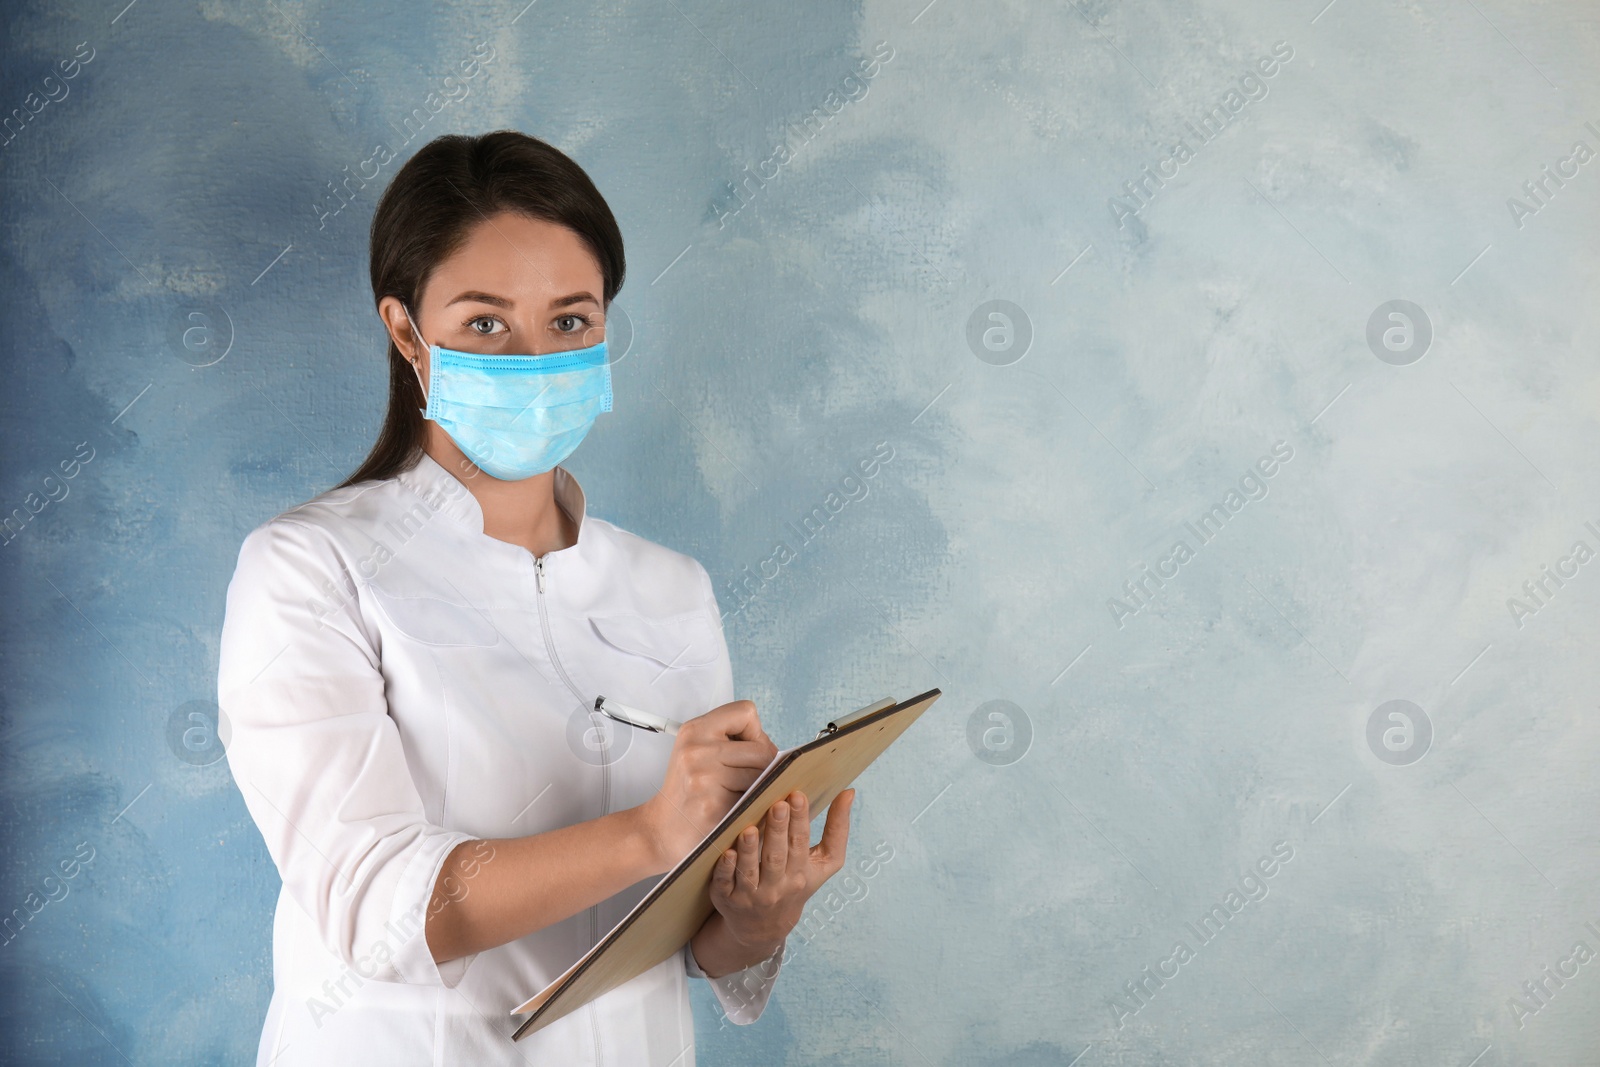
[715,757]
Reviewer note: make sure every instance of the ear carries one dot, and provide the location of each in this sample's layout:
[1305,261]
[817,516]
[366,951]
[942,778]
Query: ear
[393,314]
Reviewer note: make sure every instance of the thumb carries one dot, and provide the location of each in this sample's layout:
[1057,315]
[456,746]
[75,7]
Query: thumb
[827,855]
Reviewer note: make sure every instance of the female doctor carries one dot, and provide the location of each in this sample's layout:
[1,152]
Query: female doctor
[409,664]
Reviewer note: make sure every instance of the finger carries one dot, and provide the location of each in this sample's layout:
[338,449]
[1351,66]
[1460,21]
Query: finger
[735,780]
[748,846]
[828,855]
[752,754]
[799,831]
[722,877]
[775,842]
[737,720]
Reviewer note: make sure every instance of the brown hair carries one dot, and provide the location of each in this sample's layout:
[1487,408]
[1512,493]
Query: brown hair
[423,216]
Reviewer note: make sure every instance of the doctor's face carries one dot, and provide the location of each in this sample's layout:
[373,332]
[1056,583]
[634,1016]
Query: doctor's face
[517,286]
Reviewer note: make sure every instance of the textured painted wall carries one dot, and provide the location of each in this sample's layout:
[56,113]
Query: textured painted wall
[1179,503]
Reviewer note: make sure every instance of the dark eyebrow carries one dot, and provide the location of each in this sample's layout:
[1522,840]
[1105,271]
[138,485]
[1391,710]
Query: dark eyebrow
[482,298]
[502,302]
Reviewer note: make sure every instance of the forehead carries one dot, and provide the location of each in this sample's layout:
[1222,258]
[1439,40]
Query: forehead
[522,258]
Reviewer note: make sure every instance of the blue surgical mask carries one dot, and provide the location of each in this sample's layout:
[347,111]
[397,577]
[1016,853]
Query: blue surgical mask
[515,416]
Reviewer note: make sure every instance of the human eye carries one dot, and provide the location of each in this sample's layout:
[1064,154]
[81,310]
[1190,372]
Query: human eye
[578,323]
[483,325]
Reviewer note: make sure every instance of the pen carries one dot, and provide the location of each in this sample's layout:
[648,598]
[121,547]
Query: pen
[644,720]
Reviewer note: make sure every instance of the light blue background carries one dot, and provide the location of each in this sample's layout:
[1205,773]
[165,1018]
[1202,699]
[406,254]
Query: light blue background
[772,350]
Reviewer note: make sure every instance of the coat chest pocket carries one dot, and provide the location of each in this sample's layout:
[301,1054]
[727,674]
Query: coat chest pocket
[665,642]
[432,621]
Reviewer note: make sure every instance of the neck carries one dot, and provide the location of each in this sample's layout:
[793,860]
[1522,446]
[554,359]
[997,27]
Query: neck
[521,513]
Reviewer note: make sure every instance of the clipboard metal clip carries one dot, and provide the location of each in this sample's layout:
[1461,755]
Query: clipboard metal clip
[840,723]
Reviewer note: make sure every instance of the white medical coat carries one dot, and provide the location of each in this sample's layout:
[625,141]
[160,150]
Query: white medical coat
[394,682]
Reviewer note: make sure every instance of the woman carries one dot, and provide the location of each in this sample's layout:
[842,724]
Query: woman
[409,664]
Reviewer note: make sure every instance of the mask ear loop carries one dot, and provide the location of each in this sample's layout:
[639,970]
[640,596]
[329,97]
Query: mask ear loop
[416,333]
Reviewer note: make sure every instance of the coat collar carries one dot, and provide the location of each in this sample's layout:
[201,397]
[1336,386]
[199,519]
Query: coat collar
[448,495]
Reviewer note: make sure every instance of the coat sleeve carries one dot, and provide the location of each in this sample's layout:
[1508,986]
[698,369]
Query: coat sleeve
[742,994]
[319,761]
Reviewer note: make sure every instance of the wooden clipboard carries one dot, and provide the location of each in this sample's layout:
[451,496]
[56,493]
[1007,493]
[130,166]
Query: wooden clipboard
[679,904]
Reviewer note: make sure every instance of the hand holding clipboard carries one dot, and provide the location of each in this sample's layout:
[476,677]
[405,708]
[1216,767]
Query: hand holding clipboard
[679,904]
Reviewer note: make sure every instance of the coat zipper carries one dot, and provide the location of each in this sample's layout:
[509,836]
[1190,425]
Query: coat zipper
[605,774]
[549,647]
